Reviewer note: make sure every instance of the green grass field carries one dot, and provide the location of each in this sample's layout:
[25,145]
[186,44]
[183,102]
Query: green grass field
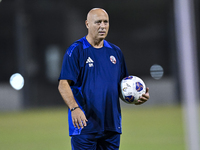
[144,128]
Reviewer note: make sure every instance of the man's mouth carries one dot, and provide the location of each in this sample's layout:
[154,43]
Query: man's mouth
[102,32]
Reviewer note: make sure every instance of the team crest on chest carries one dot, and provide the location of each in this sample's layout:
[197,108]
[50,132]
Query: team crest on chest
[113,59]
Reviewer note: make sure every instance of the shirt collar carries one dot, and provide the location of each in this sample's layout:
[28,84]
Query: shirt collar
[86,44]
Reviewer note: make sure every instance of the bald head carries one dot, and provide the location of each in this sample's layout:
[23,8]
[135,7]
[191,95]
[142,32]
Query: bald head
[98,24]
[96,11]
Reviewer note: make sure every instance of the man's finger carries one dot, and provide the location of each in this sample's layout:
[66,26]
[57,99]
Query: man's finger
[147,90]
[85,122]
[74,121]
[77,125]
[80,123]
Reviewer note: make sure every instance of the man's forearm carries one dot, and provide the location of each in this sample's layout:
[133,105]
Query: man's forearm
[67,94]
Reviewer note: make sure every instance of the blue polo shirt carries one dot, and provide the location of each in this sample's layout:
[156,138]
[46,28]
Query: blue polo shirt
[96,73]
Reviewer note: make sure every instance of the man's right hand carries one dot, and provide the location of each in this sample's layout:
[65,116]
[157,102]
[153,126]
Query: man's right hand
[79,119]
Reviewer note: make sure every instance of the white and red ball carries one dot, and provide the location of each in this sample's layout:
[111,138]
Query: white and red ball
[132,88]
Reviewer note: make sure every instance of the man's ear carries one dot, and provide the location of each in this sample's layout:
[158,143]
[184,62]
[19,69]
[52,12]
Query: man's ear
[86,23]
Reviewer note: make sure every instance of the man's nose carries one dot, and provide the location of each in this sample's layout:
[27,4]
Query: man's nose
[102,24]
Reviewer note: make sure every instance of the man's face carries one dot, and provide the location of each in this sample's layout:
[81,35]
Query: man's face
[98,25]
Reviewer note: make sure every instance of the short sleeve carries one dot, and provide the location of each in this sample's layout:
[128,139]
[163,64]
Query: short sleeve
[124,71]
[70,66]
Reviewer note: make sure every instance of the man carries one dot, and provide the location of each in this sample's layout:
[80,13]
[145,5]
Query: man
[94,68]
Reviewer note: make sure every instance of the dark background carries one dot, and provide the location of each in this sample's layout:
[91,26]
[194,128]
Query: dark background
[144,30]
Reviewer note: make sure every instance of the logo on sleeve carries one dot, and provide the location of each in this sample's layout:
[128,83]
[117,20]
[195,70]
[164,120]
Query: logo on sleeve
[90,62]
[113,59]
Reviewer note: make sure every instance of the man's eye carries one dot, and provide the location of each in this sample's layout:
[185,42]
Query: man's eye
[98,22]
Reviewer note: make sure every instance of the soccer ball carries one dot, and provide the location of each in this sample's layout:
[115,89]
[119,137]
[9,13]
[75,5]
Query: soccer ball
[132,88]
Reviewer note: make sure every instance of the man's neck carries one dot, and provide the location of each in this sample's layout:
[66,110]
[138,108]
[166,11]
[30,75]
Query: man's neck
[95,43]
